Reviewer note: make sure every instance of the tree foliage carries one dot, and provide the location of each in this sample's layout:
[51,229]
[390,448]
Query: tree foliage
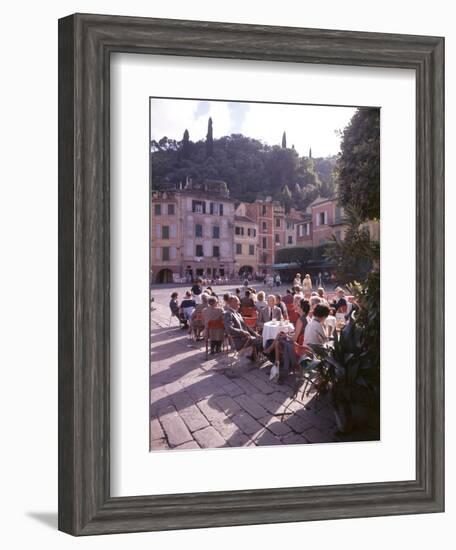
[358,167]
[251,168]
[356,255]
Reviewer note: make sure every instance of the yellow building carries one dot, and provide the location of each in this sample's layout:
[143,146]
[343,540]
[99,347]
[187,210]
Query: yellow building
[245,242]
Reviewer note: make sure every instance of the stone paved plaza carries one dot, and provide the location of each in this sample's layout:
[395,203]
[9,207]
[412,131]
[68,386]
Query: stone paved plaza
[222,402]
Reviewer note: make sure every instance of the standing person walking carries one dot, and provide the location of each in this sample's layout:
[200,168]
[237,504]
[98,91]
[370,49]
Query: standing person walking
[307,284]
[297,280]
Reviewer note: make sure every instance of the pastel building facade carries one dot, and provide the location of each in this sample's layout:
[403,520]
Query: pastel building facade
[245,242]
[262,213]
[198,238]
[166,236]
[291,221]
[197,231]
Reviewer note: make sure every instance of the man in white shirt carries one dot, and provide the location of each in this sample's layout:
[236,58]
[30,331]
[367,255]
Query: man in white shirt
[314,332]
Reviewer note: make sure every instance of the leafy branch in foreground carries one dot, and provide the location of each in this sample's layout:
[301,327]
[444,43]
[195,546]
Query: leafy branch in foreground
[357,254]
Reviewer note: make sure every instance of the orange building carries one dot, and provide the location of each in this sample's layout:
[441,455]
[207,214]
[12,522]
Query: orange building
[262,213]
[245,242]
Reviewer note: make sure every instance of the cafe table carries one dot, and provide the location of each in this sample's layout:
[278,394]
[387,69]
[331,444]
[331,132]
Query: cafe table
[272,328]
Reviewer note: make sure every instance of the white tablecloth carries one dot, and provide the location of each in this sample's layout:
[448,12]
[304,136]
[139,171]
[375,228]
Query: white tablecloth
[271,329]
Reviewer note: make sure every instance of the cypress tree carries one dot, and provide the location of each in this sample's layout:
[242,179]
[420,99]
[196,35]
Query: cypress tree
[209,139]
[284,140]
[186,145]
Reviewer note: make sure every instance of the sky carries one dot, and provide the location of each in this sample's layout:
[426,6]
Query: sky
[306,126]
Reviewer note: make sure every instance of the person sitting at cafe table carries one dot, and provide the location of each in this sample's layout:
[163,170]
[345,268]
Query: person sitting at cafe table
[269,313]
[340,302]
[253,294]
[314,332]
[314,301]
[196,319]
[215,335]
[288,298]
[282,306]
[321,294]
[188,305]
[226,298]
[260,301]
[286,349]
[197,290]
[242,336]
[174,306]
[247,300]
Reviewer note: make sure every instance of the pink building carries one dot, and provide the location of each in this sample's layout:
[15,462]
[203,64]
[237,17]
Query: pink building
[327,220]
[192,228]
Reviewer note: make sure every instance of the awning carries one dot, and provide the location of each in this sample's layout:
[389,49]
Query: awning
[285,266]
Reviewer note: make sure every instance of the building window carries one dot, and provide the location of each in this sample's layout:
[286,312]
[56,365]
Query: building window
[277,222]
[157,209]
[171,211]
[216,208]
[265,226]
[216,251]
[165,232]
[216,232]
[304,229]
[265,242]
[290,239]
[322,218]
[199,251]
[254,232]
[238,248]
[239,230]
[198,230]
[165,253]
[251,249]
[277,238]
[199,207]
[263,210]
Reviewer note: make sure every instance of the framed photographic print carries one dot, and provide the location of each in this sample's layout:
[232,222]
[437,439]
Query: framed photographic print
[250,273]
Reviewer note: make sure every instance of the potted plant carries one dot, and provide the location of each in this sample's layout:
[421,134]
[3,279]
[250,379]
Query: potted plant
[346,373]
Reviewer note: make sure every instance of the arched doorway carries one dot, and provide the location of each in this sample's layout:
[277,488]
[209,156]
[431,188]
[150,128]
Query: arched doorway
[245,270]
[164,276]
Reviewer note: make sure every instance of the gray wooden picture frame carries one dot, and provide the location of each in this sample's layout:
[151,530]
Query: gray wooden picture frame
[85,45]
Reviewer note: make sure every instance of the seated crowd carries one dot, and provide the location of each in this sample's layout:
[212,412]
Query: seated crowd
[310,319]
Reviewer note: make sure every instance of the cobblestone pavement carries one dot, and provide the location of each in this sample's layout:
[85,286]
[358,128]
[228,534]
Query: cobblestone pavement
[221,402]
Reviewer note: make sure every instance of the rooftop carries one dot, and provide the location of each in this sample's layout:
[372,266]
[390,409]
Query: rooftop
[322,200]
[243,219]
[209,189]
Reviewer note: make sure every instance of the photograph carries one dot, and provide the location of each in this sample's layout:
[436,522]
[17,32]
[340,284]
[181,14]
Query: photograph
[264,274]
